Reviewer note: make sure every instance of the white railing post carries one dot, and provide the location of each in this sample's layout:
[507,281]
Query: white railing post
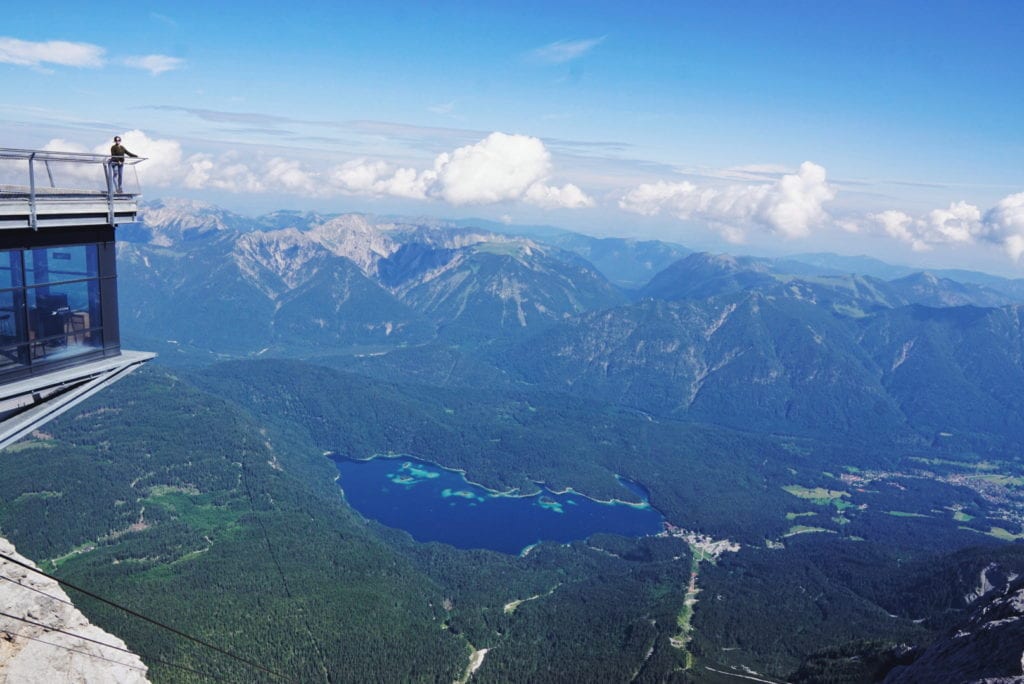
[108,173]
[32,192]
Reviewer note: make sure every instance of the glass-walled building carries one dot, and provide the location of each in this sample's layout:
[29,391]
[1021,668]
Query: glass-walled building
[58,300]
[59,336]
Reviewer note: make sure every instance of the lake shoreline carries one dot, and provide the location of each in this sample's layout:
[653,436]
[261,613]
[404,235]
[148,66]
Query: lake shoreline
[514,492]
[435,503]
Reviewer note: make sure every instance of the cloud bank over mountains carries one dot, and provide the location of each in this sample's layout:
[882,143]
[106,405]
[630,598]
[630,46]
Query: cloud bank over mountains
[499,168]
[1005,225]
[789,208]
[960,223]
[795,205]
[506,168]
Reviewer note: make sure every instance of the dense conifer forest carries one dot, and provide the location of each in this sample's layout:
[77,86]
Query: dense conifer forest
[206,499]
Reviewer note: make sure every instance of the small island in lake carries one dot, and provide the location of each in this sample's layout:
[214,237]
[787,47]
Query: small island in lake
[435,504]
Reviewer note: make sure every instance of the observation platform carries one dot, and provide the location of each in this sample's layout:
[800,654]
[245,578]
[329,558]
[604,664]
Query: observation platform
[40,189]
[59,332]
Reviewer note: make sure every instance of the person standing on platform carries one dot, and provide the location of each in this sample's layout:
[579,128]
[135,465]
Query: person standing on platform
[117,154]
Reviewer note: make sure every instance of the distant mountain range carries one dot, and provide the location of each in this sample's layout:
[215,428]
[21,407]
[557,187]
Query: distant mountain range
[725,340]
[742,341]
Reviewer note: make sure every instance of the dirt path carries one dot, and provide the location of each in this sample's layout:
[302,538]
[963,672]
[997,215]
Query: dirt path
[476,659]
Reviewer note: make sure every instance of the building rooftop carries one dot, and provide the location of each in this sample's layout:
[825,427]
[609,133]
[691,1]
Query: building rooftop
[41,188]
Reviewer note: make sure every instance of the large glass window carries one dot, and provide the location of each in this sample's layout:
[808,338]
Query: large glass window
[13,335]
[10,269]
[59,264]
[49,305]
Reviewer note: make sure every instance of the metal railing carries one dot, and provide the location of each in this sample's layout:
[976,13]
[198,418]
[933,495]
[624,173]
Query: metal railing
[68,175]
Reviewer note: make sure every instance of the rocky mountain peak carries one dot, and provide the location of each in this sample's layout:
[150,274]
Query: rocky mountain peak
[288,254]
[165,222]
[185,213]
[352,236]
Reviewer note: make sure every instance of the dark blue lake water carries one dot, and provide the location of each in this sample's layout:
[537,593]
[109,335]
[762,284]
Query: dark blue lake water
[434,504]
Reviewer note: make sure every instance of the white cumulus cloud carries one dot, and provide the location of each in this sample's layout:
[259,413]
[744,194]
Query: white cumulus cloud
[1004,225]
[163,165]
[154,64]
[961,223]
[499,168]
[60,52]
[901,226]
[61,145]
[360,176]
[795,204]
[378,179]
[39,54]
[235,177]
[166,164]
[230,174]
[550,197]
[790,207]
[198,171]
[290,176]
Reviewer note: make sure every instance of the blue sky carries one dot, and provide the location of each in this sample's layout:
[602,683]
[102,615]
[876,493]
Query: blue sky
[763,127]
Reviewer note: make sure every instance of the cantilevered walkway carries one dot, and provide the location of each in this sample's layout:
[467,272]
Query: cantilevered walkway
[59,334]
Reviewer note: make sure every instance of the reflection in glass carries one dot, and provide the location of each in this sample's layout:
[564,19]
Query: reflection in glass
[10,268]
[59,264]
[49,305]
[63,319]
[13,334]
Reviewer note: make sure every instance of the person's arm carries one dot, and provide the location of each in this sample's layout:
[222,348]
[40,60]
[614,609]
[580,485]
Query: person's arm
[129,153]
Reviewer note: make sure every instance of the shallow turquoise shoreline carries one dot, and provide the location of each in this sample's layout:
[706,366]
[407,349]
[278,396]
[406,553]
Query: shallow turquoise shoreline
[434,503]
[644,504]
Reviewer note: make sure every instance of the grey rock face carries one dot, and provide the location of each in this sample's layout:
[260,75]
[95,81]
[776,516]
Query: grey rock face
[987,647]
[33,654]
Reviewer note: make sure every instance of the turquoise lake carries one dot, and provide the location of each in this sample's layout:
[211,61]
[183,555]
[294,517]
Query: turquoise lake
[435,504]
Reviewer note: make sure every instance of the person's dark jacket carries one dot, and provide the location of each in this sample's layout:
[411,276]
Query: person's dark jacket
[118,153]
